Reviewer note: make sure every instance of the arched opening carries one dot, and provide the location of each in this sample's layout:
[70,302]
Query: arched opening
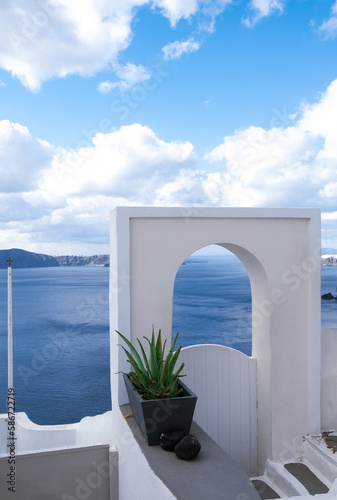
[212,301]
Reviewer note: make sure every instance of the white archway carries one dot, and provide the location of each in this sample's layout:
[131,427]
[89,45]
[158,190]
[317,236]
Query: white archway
[212,300]
[280,249]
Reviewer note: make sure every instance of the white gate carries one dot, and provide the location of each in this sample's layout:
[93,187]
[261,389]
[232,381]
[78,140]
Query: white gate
[225,382]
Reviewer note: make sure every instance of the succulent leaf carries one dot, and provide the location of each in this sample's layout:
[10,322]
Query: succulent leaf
[155,377]
[133,350]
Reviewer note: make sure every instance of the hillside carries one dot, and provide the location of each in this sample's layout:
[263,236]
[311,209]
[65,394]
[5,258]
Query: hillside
[22,258]
[83,260]
[329,260]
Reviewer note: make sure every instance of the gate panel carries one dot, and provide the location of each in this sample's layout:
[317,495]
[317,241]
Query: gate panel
[224,380]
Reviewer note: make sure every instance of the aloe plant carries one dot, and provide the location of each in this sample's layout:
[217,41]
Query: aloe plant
[153,376]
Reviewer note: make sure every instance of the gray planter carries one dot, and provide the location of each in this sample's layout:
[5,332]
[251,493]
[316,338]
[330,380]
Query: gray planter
[155,416]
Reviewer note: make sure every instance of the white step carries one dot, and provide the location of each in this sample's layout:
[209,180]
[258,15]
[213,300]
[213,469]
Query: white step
[268,482]
[287,485]
[316,456]
[320,459]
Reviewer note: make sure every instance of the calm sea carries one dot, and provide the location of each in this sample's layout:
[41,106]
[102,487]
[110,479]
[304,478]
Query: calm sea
[61,330]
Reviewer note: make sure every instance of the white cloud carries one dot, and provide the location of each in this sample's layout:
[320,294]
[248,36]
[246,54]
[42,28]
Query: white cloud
[329,191]
[130,162]
[56,38]
[175,10]
[132,74]
[185,190]
[22,158]
[41,40]
[329,27]
[261,9]
[329,216]
[65,196]
[61,199]
[288,166]
[129,75]
[320,120]
[176,49]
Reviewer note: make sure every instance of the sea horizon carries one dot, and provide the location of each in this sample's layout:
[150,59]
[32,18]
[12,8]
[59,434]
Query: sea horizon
[61,329]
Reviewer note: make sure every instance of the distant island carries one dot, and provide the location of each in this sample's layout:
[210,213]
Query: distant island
[23,259]
[329,260]
[328,296]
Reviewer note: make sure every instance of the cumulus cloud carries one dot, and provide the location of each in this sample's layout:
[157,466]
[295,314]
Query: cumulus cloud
[175,10]
[266,168]
[129,75]
[185,190]
[320,120]
[295,165]
[329,216]
[261,9]
[67,195]
[176,49]
[130,162]
[328,28]
[36,37]
[22,158]
[62,199]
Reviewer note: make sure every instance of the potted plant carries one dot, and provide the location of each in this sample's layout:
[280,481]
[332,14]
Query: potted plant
[159,401]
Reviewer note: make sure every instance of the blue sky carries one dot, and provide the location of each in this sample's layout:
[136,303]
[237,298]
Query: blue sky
[164,103]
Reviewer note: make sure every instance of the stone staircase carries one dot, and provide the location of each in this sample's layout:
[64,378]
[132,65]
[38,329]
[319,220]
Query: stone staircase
[314,474]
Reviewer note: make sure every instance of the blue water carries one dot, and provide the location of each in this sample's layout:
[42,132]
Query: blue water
[61,330]
[61,342]
[212,303]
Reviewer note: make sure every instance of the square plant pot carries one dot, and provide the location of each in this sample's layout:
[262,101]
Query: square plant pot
[155,416]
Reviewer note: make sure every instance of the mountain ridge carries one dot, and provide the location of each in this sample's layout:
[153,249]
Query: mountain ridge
[25,259]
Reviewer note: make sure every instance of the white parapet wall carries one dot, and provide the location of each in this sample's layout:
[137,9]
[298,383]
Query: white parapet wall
[32,438]
[68,461]
[137,480]
[65,474]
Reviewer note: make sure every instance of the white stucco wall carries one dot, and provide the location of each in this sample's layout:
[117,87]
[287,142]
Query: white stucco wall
[136,477]
[281,251]
[329,379]
[32,437]
[68,474]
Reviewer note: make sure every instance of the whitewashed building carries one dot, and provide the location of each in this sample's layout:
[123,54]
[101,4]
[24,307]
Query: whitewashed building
[255,415]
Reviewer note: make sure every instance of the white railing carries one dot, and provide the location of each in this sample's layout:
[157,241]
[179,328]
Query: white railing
[225,382]
[33,438]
